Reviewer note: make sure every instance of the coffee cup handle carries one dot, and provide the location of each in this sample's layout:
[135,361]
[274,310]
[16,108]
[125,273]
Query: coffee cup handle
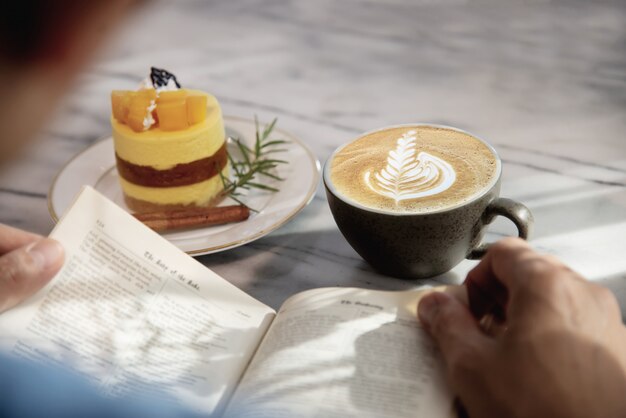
[519,214]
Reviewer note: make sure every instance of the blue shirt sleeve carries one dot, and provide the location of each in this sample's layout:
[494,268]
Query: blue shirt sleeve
[29,390]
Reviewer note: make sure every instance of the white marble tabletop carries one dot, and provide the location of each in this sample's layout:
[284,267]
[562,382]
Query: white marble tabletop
[543,81]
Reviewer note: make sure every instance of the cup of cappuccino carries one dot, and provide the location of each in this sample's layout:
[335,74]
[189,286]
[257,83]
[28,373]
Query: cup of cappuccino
[414,200]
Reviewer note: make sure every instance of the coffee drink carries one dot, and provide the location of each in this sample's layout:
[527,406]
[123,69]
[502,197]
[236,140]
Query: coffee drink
[414,200]
[413,169]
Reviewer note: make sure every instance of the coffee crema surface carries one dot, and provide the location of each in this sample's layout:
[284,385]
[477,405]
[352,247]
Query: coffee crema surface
[413,169]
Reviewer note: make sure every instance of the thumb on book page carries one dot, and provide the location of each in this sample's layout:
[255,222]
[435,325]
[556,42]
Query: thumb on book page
[463,345]
[27,269]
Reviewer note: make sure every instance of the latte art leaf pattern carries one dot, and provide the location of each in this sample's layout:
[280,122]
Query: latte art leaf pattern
[409,174]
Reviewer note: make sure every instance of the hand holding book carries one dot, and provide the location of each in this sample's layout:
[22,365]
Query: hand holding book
[27,262]
[556,343]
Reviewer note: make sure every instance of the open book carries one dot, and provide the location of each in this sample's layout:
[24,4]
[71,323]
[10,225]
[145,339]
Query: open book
[135,314]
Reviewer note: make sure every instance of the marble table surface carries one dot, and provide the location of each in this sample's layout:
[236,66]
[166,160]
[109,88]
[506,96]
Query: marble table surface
[543,81]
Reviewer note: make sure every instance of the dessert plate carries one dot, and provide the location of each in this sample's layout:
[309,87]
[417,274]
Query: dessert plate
[95,167]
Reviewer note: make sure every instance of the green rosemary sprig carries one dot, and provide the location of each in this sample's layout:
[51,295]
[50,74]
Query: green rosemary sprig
[254,162]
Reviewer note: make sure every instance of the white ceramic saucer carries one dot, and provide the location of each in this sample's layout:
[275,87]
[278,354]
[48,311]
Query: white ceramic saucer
[95,166]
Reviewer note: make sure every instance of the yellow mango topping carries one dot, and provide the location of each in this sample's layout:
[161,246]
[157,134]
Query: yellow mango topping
[138,111]
[172,95]
[172,115]
[149,94]
[175,110]
[196,108]
[120,102]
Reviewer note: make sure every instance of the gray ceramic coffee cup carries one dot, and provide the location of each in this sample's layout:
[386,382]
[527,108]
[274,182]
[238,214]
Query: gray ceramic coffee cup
[423,245]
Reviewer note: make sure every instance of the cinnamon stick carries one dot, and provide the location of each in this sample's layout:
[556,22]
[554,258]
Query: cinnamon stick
[191,218]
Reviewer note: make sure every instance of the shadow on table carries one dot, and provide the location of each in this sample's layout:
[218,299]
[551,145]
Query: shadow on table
[290,263]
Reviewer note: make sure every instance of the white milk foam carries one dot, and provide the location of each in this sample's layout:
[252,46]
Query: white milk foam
[413,169]
[409,174]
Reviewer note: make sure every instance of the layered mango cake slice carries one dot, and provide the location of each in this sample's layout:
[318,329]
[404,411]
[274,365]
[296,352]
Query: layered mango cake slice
[170,145]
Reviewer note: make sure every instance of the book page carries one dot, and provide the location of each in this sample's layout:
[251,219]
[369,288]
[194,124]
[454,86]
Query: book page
[133,313]
[345,353]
